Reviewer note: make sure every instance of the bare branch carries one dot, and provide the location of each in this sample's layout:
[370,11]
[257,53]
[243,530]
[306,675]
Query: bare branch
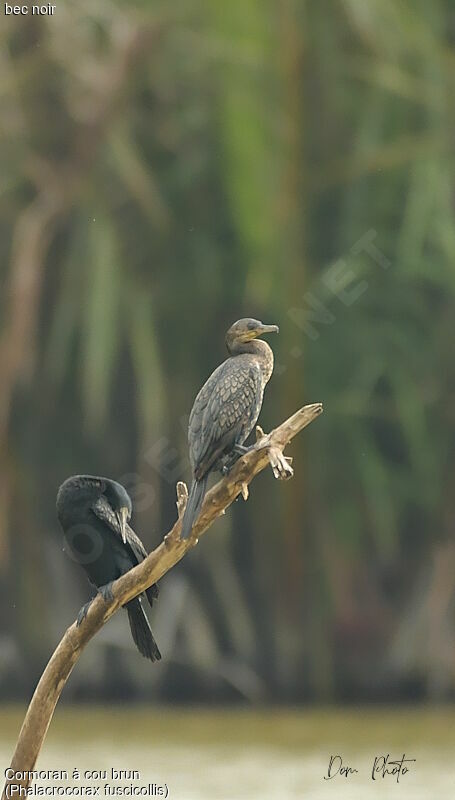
[267,450]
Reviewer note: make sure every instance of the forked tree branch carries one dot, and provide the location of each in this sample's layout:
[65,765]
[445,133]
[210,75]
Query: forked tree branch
[268,450]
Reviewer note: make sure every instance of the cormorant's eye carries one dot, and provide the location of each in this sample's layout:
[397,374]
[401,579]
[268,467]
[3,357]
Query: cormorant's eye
[251,325]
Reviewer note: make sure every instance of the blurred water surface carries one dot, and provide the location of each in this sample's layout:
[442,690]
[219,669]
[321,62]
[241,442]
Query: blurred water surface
[228,754]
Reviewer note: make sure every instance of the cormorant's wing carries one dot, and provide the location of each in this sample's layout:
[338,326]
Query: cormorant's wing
[104,512]
[225,411]
[195,433]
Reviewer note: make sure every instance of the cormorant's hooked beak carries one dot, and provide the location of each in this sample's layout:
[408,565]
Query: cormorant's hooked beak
[122,517]
[267,329]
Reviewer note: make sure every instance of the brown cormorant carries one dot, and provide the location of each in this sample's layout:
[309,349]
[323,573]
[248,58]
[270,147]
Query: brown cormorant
[94,514]
[226,409]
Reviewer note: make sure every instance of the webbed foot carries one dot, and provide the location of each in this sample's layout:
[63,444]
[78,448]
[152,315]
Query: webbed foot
[237,452]
[229,463]
[106,592]
[83,613]
[240,449]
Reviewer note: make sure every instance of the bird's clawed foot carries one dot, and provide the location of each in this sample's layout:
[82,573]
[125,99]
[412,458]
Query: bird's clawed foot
[227,466]
[237,452]
[106,592]
[83,613]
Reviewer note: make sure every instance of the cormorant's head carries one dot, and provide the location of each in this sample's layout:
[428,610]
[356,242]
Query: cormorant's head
[106,498]
[120,503]
[246,329]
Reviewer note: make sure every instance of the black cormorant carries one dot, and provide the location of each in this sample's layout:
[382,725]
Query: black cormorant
[227,407]
[94,514]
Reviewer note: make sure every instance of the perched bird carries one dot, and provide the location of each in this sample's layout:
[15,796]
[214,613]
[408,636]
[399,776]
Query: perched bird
[226,409]
[94,514]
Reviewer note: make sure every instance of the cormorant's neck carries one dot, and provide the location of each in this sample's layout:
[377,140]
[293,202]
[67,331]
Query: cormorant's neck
[258,348]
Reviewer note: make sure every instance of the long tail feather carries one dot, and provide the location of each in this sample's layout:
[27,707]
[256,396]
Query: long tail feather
[193,506]
[141,631]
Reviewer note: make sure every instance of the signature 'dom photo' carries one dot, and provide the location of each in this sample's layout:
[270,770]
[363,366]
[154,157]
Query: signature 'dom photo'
[227,393]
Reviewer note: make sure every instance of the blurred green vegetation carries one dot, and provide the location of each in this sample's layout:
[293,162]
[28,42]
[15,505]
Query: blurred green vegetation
[167,169]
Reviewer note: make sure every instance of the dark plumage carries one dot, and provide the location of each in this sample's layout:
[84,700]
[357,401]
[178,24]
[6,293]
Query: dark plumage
[226,409]
[94,514]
